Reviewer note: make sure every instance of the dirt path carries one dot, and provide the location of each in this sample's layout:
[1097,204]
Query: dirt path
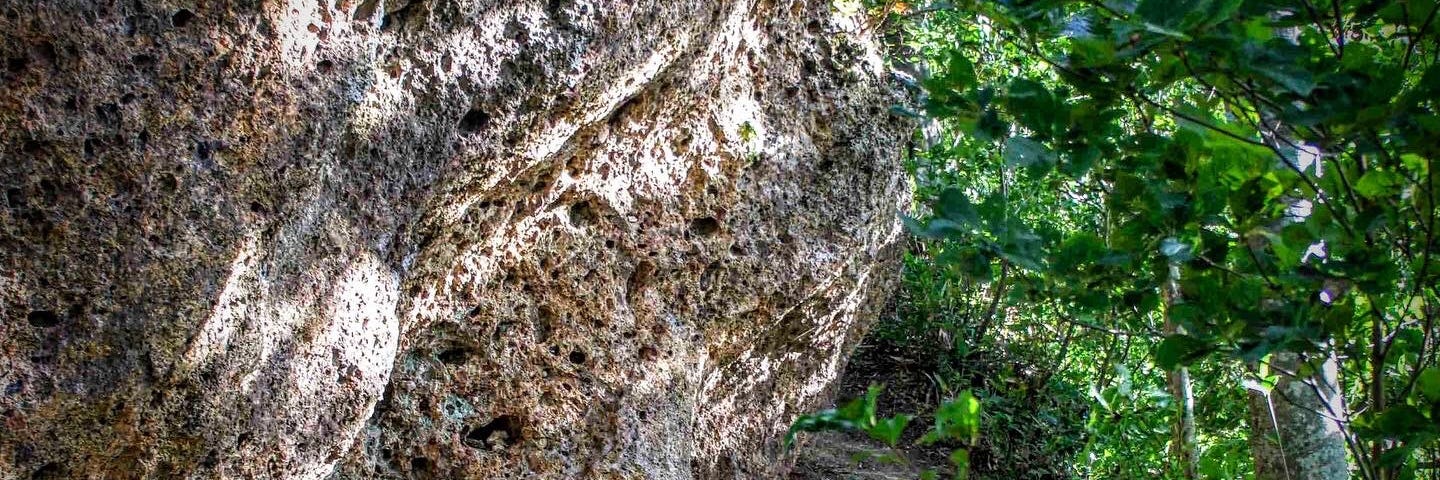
[832,456]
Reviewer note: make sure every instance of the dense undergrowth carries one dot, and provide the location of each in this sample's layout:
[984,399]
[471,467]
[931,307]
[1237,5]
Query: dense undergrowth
[1168,238]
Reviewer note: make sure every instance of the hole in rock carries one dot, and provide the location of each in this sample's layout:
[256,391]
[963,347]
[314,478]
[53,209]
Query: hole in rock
[46,52]
[108,112]
[50,471]
[365,9]
[182,18]
[502,431]
[42,318]
[325,66]
[169,183]
[705,226]
[582,214]
[474,121]
[577,356]
[455,355]
[419,465]
[545,321]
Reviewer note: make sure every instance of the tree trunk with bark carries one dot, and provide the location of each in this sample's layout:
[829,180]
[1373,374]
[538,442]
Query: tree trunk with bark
[1184,450]
[1292,434]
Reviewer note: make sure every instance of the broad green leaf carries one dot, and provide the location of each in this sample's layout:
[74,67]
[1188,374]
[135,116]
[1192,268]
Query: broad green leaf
[1026,153]
[1429,384]
[956,419]
[1167,14]
[1257,29]
[955,206]
[1092,52]
[861,411]
[1035,107]
[888,430]
[1178,350]
[1295,79]
[1378,183]
[1401,421]
[960,73]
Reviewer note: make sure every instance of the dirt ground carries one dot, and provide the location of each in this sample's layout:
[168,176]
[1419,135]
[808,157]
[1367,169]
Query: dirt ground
[853,456]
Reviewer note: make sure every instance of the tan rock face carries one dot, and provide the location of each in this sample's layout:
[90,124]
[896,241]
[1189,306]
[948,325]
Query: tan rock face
[432,239]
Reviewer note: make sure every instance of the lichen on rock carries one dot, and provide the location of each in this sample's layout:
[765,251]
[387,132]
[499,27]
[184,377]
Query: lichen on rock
[433,238]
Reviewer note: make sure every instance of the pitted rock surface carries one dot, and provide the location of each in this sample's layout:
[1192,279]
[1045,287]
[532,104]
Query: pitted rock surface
[433,238]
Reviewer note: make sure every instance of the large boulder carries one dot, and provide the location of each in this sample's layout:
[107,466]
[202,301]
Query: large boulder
[433,238]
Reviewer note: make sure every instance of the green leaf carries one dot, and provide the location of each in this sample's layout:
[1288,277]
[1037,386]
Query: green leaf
[861,411]
[1294,78]
[1027,153]
[1091,52]
[1163,30]
[960,73]
[1179,350]
[956,419]
[889,429]
[1378,183]
[1257,29]
[1400,421]
[1035,107]
[1168,17]
[1397,456]
[857,414]
[816,422]
[961,459]
[955,206]
[1428,384]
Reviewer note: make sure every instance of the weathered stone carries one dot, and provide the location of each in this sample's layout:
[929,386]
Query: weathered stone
[434,238]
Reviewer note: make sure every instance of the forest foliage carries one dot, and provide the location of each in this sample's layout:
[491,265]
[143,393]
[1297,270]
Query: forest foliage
[1110,192]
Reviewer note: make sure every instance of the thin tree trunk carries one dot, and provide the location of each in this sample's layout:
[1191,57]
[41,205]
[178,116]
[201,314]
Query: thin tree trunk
[1183,447]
